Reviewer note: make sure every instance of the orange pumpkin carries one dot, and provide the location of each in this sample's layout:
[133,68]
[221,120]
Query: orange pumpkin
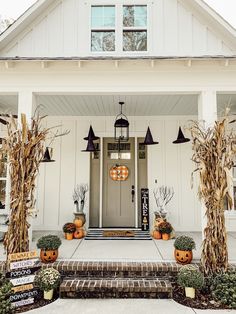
[183,257]
[79,234]
[165,236]
[78,222]
[157,235]
[48,256]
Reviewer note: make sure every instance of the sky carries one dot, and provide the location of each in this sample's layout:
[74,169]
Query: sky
[14,8]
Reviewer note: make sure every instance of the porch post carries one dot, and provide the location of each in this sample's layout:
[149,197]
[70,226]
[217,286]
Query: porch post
[27,105]
[207,114]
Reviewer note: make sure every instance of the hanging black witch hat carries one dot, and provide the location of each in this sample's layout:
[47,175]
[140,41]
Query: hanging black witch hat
[91,136]
[90,147]
[149,139]
[181,138]
[47,157]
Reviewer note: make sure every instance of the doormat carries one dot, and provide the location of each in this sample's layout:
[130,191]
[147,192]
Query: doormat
[118,233]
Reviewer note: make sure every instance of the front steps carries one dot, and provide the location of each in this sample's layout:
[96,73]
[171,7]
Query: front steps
[116,279]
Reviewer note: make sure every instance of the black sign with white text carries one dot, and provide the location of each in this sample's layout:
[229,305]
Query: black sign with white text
[145,209]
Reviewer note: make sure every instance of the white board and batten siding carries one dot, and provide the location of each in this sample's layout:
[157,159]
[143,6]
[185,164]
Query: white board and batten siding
[169,164]
[175,28]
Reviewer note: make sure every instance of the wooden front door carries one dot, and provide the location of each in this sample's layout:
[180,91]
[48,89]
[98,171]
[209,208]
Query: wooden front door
[118,199]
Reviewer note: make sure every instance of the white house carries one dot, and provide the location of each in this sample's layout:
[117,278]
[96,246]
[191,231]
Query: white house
[169,61]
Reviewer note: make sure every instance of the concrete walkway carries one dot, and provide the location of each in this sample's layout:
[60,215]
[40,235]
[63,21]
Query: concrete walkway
[157,250]
[120,306]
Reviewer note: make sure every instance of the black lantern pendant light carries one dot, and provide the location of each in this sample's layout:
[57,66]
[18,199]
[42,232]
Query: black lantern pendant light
[91,136]
[121,126]
[90,147]
[47,156]
[149,139]
[181,138]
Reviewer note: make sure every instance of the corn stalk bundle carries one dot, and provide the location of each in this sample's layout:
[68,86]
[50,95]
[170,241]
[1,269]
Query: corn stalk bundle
[24,149]
[214,152]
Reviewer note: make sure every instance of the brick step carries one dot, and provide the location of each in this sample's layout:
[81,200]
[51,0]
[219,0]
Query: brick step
[85,288]
[116,269]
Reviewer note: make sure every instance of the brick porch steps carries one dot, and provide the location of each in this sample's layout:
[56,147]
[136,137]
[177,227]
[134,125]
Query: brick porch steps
[73,288]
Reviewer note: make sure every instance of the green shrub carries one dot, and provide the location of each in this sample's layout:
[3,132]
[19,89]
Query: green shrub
[49,242]
[5,293]
[69,227]
[190,276]
[48,279]
[184,243]
[224,289]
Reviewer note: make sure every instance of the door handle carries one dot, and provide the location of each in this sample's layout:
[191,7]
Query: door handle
[133,193]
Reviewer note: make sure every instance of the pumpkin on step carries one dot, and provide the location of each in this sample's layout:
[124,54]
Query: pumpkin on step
[79,234]
[49,245]
[48,256]
[78,222]
[183,249]
[156,235]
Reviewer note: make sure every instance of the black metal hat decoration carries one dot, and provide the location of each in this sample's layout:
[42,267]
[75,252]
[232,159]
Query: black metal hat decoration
[91,136]
[149,139]
[47,157]
[90,147]
[181,138]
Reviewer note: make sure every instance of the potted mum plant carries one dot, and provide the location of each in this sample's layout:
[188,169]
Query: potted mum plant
[183,249]
[190,278]
[69,229]
[47,280]
[49,245]
[165,228]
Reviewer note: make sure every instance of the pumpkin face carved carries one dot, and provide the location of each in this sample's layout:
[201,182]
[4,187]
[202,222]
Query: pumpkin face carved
[183,257]
[48,256]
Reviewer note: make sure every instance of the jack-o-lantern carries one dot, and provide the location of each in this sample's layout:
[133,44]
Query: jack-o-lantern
[79,234]
[48,256]
[183,257]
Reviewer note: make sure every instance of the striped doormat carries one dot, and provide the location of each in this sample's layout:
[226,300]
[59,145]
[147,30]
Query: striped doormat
[101,234]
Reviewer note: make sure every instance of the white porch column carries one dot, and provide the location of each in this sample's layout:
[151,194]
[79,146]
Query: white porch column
[27,105]
[207,113]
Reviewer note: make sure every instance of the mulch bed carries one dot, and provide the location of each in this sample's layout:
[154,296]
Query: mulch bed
[201,301]
[38,303]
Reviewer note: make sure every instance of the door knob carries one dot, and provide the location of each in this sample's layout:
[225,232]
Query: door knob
[132,193]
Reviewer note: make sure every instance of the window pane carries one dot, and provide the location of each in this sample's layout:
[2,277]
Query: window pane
[135,16]
[134,41]
[103,41]
[103,16]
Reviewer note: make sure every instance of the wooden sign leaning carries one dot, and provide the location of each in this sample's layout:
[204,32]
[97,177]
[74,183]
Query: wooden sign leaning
[21,272]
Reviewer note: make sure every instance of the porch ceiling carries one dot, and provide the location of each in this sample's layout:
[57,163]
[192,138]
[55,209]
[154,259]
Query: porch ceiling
[107,105]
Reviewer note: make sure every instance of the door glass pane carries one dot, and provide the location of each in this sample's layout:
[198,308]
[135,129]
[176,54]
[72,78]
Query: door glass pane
[103,41]
[103,16]
[134,16]
[135,40]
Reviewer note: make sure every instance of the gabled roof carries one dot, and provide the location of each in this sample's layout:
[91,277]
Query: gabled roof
[219,23]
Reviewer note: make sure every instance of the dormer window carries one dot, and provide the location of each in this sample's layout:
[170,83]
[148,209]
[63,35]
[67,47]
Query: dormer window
[135,28]
[103,28]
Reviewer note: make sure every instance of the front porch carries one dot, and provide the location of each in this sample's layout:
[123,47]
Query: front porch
[125,250]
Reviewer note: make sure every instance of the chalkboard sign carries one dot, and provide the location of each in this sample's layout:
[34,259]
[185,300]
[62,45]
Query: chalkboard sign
[21,272]
[145,209]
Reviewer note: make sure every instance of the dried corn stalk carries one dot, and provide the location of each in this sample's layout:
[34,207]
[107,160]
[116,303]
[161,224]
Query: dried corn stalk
[214,151]
[24,148]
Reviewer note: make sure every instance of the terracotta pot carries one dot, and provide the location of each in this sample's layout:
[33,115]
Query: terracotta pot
[48,256]
[183,257]
[69,236]
[190,292]
[157,235]
[48,295]
[79,234]
[165,236]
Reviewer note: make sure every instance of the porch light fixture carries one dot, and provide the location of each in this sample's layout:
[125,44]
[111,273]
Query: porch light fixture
[181,138]
[47,155]
[91,136]
[90,147]
[149,139]
[121,126]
